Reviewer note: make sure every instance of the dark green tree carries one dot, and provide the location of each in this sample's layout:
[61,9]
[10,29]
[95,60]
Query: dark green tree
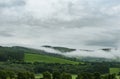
[20,75]
[56,75]
[11,74]
[32,76]
[46,75]
[111,76]
[3,75]
[84,76]
[25,75]
[97,75]
[66,76]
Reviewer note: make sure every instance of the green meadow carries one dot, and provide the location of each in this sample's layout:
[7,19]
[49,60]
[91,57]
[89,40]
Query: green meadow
[47,59]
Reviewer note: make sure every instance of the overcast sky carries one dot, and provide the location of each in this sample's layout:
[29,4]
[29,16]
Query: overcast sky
[71,23]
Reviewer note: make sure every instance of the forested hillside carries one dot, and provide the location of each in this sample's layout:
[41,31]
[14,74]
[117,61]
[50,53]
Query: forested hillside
[11,54]
[18,53]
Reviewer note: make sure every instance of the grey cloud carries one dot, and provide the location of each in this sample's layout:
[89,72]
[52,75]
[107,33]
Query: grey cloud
[67,22]
[103,43]
[5,34]
[91,18]
[109,38]
[11,3]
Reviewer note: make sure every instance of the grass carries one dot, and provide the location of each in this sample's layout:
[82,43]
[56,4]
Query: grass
[114,70]
[47,59]
[74,76]
[38,76]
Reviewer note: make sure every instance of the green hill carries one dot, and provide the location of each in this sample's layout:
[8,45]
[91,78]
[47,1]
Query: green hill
[47,59]
[32,55]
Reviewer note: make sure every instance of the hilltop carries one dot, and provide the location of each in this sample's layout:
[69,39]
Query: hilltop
[17,53]
[72,54]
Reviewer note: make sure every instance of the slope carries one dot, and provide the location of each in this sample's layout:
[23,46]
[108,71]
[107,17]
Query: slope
[47,59]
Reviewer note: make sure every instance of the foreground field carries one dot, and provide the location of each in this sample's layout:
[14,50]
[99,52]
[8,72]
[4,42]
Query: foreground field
[47,59]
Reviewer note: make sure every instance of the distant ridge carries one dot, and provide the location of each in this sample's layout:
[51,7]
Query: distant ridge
[99,55]
[61,49]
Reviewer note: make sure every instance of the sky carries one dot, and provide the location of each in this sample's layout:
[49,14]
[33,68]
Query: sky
[69,23]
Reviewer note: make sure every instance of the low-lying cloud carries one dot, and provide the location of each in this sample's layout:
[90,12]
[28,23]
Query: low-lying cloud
[84,53]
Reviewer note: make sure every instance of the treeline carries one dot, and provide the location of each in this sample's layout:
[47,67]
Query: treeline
[54,75]
[64,75]
[16,53]
[39,67]
[8,54]
[13,75]
[101,67]
[58,75]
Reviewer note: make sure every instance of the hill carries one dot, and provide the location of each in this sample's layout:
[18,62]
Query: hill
[98,55]
[40,60]
[91,55]
[61,49]
[17,53]
[47,59]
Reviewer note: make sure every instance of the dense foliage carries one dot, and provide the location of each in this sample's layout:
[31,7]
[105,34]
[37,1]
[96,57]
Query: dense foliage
[38,67]
[8,54]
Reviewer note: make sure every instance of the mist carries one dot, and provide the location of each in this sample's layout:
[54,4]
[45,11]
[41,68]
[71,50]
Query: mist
[112,53]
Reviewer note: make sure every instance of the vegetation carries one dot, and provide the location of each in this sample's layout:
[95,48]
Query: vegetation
[19,75]
[114,70]
[54,75]
[24,63]
[61,49]
[8,54]
[46,75]
[25,75]
[46,59]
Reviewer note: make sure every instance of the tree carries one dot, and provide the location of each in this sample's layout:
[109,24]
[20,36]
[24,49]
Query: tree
[31,76]
[21,75]
[3,75]
[97,75]
[66,76]
[25,75]
[119,75]
[46,75]
[56,75]
[11,74]
[111,76]
[84,76]
[79,76]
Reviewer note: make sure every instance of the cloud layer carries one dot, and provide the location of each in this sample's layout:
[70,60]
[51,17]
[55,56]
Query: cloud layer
[71,23]
[83,53]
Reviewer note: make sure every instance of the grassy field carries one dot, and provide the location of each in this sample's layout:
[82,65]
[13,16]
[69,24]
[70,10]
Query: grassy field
[114,70]
[38,76]
[46,59]
[74,76]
